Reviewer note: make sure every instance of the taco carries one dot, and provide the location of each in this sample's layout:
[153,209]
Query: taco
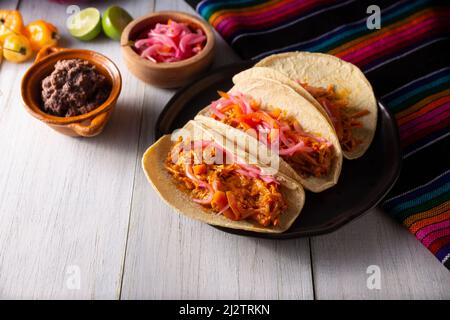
[341,90]
[266,113]
[199,177]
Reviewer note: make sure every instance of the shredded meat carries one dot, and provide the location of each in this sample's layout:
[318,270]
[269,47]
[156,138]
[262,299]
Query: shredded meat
[344,119]
[314,158]
[248,198]
[316,163]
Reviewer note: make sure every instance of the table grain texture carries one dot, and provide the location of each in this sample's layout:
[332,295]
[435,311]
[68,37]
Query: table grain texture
[78,219]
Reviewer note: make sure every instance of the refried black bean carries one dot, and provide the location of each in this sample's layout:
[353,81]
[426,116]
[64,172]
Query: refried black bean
[75,87]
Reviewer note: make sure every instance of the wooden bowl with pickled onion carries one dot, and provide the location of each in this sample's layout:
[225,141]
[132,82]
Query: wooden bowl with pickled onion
[166,74]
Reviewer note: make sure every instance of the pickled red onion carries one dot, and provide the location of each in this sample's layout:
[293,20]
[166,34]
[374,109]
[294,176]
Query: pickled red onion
[170,42]
[283,139]
[223,210]
[222,104]
[208,199]
[214,109]
[255,172]
[241,102]
[297,147]
[268,179]
[250,168]
[201,184]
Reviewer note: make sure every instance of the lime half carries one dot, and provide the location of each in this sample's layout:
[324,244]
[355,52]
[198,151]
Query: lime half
[85,25]
[114,20]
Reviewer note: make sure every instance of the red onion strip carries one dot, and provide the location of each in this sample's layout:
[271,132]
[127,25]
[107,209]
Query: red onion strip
[176,42]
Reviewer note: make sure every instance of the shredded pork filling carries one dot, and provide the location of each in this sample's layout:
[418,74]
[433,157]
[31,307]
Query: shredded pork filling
[344,119]
[307,153]
[316,163]
[226,188]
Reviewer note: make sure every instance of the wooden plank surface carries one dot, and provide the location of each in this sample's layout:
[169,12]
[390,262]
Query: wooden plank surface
[407,269]
[169,256]
[65,202]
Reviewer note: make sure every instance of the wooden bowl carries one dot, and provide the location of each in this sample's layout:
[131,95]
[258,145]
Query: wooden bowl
[86,125]
[166,74]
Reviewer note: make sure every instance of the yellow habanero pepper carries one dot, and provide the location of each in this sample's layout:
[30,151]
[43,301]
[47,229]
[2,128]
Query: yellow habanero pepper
[41,34]
[16,48]
[10,22]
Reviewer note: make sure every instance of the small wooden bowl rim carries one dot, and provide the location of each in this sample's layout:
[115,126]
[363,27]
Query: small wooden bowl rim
[36,111]
[178,17]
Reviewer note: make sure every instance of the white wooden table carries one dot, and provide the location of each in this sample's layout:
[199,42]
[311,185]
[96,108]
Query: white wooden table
[78,219]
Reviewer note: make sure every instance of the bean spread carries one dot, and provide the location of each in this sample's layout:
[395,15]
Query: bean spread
[75,87]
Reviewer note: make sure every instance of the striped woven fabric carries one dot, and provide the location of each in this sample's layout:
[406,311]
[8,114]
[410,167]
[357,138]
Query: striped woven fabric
[407,62]
[425,211]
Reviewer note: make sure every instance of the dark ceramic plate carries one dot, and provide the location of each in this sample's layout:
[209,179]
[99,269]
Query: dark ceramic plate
[363,182]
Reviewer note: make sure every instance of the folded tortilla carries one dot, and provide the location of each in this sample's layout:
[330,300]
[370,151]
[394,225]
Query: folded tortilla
[163,183]
[273,94]
[322,70]
[273,74]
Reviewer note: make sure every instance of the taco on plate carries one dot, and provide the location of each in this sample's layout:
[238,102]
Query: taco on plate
[274,117]
[340,90]
[196,174]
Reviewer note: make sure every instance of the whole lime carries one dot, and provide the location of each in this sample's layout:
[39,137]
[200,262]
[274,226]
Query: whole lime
[114,20]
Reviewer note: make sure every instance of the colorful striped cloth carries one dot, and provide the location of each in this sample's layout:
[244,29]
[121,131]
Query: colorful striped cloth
[408,63]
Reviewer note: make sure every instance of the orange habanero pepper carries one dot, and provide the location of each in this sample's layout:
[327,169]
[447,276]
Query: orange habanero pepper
[41,34]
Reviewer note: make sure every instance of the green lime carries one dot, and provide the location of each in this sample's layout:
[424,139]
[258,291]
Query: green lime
[114,20]
[85,25]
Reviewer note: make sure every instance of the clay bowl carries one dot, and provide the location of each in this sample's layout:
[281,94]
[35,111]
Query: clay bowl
[87,125]
[166,74]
